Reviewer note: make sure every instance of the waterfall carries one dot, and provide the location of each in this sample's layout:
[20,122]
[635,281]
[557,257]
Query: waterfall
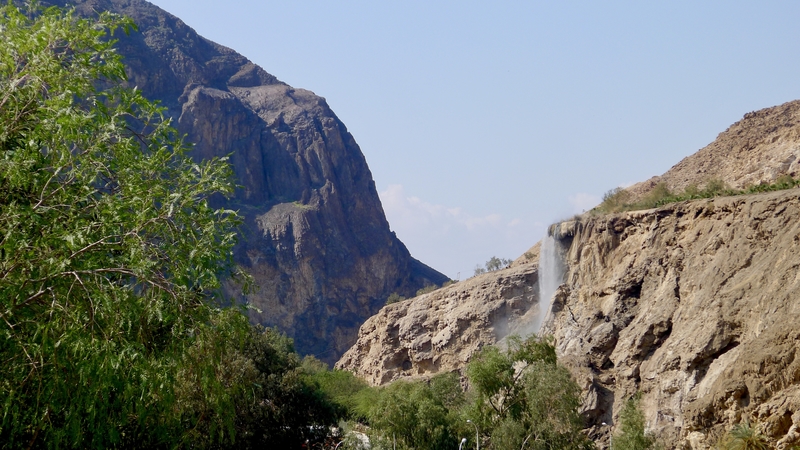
[551,275]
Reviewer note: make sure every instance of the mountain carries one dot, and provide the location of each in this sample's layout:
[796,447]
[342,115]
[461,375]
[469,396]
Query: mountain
[315,236]
[693,304]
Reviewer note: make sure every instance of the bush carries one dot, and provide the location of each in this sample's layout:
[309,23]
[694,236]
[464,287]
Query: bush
[416,415]
[427,289]
[615,200]
[523,396]
[394,298]
[632,435]
[744,437]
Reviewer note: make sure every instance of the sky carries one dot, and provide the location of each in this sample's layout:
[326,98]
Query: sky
[484,122]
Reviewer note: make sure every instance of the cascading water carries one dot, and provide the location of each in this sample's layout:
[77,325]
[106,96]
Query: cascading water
[551,275]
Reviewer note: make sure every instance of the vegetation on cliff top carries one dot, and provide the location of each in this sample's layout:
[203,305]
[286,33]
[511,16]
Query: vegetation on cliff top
[619,199]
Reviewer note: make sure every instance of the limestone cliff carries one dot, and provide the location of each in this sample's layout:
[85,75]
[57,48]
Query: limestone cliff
[439,332]
[315,236]
[695,305]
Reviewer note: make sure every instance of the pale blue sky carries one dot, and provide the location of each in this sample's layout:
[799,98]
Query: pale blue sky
[483,122]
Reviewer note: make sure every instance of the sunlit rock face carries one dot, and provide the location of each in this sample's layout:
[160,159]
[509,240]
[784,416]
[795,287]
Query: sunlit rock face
[439,332]
[315,236]
[695,305]
[760,148]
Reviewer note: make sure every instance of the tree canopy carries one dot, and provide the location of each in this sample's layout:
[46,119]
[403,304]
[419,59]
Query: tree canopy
[111,253]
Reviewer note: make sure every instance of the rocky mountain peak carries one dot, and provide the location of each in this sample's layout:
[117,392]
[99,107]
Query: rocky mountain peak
[315,236]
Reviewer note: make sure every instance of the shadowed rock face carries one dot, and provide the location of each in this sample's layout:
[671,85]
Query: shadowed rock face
[315,236]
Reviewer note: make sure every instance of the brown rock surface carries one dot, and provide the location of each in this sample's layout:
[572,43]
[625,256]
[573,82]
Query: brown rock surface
[440,331]
[757,149]
[695,305]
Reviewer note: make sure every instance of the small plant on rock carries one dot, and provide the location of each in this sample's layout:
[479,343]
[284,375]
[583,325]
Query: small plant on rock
[744,437]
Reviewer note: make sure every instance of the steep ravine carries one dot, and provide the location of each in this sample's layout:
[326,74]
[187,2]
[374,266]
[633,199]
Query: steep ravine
[695,305]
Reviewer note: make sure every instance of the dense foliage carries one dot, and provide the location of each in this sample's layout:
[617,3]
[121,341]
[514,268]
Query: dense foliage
[525,399]
[111,261]
[518,398]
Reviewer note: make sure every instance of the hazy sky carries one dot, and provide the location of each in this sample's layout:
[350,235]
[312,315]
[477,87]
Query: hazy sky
[483,122]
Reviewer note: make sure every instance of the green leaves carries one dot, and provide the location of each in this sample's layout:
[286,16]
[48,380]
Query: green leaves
[111,255]
[524,398]
[632,435]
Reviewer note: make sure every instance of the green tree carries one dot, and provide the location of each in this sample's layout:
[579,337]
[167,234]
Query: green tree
[111,253]
[632,435]
[524,399]
[494,263]
[417,415]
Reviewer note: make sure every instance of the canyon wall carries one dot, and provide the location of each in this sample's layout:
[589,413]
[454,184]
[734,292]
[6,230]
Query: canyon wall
[694,305]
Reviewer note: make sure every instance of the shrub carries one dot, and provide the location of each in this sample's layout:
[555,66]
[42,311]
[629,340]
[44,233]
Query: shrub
[522,396]
[744,437]
[632,435]
[615,200]
[427,289]
[715,187]
[618,199]
[659,195]
[394,298]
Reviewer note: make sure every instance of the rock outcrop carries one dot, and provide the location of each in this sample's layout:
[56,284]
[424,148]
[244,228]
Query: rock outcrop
[693,304]
[439,332]
[315,236]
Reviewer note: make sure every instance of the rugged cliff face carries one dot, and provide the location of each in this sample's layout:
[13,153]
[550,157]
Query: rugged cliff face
[693,304]
[440,331]
[315,238]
